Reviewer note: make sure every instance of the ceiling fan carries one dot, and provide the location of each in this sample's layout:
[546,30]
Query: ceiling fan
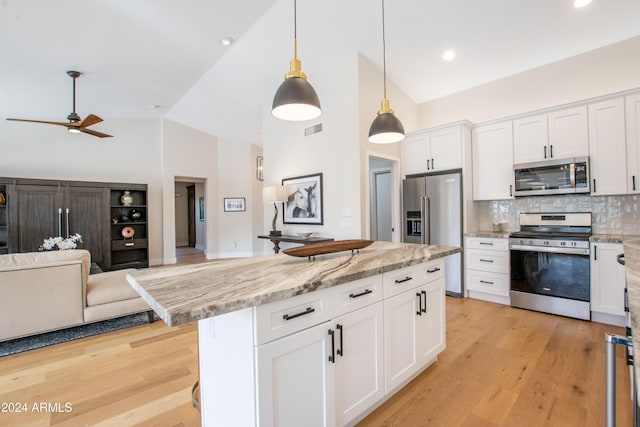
[75,125]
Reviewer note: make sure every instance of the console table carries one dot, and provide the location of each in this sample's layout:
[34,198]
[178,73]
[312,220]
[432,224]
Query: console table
[294,239]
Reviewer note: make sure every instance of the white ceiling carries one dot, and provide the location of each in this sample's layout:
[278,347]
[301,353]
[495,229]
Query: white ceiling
[138,53]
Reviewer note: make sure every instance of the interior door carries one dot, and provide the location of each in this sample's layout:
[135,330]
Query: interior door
[382,204]
[35,215]
[86,212]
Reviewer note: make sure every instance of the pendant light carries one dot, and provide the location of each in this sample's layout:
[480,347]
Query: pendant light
[295,99]
[386,127]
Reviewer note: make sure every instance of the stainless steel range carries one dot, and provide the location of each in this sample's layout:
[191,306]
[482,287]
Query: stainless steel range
[550,266]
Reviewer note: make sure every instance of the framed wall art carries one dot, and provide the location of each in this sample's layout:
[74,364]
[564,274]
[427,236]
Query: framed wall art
[201,206]
[234,204]
[304,203]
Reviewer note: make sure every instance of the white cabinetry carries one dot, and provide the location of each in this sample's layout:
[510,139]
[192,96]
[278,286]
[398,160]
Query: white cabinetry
[607,283]
[557,135]
[607,147]
[487,269]
[492,153]
[318,359]
[432,151]
[414,331]
[632,111]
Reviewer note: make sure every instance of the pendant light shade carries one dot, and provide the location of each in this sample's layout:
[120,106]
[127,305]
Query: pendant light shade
[295,99]
[386,127]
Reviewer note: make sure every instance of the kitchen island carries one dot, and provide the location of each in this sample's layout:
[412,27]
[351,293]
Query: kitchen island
[285,341]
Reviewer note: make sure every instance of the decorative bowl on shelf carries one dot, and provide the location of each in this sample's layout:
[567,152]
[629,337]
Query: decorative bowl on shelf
[303,235]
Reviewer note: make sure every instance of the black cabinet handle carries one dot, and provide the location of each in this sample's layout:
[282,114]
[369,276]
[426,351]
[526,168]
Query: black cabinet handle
[406,279]
[427,164]
[594,185]
[419,312]
[633,182]
[486,282]
[332,357]
[433,164]
[595,252]
[621,261]
[487,243]
[435,270]
[339,351]
[302,313]
[545,151]
[511,190]
[486,260]
[424,294]
[551,151]
[363,293]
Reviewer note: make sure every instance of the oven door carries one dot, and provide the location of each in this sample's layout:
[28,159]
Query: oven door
[555,272]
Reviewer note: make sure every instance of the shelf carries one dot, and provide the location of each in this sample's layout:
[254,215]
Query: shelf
[130,223]
[129,206]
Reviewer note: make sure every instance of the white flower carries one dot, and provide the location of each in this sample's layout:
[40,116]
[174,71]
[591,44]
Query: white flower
[53,243]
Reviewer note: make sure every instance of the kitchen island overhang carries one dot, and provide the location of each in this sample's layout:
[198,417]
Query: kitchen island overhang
[183,294]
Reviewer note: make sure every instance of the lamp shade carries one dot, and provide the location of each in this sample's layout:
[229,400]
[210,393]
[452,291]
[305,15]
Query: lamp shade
[275,194]
[386,128]
[296,100]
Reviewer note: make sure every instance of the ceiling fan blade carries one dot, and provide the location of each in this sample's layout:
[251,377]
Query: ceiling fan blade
[95,133]
[42,121]
[90,120]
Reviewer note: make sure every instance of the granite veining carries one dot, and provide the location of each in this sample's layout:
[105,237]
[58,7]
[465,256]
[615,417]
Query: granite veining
[611,238]
[632,271]
[184,294]
[489,234]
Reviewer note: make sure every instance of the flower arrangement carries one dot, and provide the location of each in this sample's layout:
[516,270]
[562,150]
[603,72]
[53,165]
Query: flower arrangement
[58,243]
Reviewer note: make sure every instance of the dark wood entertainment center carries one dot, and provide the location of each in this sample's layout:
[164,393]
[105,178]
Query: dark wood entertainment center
[35,209]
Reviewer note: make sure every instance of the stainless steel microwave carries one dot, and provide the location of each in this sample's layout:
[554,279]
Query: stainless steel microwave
[562,176]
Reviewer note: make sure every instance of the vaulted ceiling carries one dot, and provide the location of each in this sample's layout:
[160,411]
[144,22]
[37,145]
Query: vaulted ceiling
[143,53]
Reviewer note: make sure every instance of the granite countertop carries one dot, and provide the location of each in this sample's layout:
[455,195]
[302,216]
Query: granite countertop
[489,234]
[183,294]
[611,238]
[632,269]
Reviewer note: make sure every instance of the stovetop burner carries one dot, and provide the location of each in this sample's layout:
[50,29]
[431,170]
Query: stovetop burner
[551,235]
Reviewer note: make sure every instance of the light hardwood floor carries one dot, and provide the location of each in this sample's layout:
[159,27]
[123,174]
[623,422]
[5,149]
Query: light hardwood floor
[502,367]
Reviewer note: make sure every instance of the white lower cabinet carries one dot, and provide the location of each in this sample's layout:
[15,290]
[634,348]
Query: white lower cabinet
[487,269]
[607,283]
[324,358]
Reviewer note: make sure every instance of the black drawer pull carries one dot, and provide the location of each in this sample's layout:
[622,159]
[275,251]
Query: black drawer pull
[485,260]
[424,294]
[339,351]
[406,279]
[419,312]
[302,313]
[435,270]
[486,282]
[486,243]
[130,244]
[363,293]
[332,358]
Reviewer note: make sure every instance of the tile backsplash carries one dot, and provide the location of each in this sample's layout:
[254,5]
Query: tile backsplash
[610,214]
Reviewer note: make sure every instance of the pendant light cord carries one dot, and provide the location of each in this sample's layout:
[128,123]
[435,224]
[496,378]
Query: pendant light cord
[384,54]
[295,30]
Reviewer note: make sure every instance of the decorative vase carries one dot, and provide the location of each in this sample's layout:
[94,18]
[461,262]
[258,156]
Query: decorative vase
[135,215]
[126,199]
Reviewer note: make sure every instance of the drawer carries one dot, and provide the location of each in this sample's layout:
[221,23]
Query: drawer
[487,244]
[123,245]
[355,295]
[280,318]
[493,261]
[491,283]
[398,281]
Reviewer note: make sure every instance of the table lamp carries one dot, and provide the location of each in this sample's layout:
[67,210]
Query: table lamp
[275,194]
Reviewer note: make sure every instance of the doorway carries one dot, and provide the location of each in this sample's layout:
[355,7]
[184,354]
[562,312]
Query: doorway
[381,199]
[189,216]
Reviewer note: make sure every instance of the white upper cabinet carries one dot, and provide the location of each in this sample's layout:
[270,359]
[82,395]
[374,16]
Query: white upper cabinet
[530,139]
[492,153]
[432,151]
[558,135]
[607,147]
[632,108]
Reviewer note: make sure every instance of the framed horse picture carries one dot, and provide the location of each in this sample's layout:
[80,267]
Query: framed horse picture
[304,203]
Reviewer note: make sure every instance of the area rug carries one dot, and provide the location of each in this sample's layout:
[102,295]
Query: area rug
[19,345]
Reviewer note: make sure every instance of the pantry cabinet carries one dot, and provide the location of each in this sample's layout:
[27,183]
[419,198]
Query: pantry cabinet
[607,147]
[492,154]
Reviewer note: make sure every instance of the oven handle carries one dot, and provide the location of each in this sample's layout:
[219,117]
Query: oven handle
[556,250]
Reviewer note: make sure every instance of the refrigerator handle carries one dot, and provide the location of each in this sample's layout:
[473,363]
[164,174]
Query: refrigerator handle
[423,204]
[426,221]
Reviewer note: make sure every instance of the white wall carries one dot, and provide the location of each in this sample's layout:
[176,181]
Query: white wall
[602,71]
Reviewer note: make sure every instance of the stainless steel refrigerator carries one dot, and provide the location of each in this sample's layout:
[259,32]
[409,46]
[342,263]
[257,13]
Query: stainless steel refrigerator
[432,214]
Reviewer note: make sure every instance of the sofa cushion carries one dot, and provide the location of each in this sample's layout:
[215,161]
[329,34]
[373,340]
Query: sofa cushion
[47,257]
[108,287]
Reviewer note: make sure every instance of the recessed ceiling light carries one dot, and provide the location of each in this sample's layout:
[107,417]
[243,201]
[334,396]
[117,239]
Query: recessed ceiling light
[581,3]
[448,55]
[226,41]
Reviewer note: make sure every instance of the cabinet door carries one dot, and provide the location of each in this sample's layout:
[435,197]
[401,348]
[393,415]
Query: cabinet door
[632,109]
[415,151]
[295,380]
[401,314]
[492,147]
[607,147]
[530,139]
[359,370]
[568,133]
[86,212]
[607,279]
[35,214]
[446,149]
[430,337]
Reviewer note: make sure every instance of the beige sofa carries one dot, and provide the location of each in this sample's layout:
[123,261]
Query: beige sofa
[46,291]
